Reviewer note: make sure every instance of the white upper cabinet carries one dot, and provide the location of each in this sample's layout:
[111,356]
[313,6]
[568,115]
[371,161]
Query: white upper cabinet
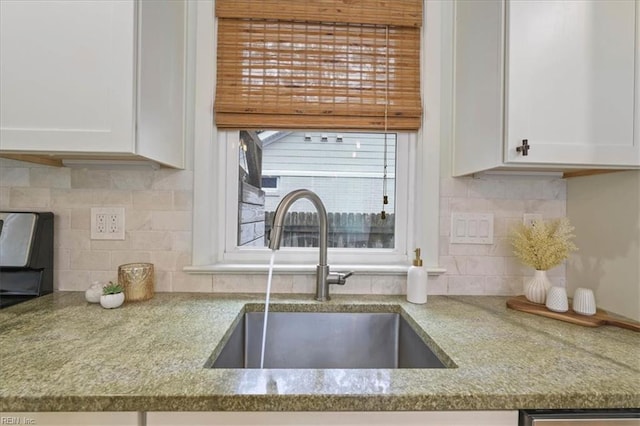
[561,75]
[93,79]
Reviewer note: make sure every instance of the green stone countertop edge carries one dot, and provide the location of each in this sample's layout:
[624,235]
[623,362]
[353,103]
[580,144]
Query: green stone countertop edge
[59,353]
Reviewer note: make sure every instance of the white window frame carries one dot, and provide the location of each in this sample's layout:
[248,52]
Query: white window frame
[417,223]
[230,253]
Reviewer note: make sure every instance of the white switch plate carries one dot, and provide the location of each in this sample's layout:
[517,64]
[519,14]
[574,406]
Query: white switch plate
[107,223]
[471,228]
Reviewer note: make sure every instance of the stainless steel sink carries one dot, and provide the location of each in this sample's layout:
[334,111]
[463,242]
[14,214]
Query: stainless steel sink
[326,340]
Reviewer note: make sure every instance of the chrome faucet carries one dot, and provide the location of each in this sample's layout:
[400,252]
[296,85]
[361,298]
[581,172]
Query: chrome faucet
[323,276]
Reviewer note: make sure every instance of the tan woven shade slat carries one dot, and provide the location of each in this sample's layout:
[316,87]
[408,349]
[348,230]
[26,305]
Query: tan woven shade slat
[401,13]
[316,75]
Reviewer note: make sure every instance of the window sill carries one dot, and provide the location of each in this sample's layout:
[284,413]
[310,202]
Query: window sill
[254,268]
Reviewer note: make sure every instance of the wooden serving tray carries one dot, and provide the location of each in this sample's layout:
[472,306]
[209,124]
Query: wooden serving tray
[520,303]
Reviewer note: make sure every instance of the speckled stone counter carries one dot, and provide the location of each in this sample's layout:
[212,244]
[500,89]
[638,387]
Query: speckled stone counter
[59,353]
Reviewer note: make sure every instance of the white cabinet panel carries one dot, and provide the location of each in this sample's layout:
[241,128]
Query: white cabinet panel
[71,419]
[570,81]
[93,79]
[66,75]
[562,75]
[427,418]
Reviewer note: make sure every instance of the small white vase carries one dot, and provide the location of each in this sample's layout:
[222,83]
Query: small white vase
[94,292]
[535,290]
[110,301]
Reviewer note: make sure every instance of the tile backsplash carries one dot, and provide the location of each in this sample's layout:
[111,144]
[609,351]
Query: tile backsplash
[158,223]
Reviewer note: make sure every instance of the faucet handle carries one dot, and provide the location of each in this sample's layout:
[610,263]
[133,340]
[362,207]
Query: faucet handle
[339,278]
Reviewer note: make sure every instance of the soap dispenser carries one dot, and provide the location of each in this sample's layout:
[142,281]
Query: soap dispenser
[417,281]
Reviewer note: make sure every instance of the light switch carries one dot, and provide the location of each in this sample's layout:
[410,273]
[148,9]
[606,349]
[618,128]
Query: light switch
[471,228]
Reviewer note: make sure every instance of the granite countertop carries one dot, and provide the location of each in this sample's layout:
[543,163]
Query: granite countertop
[59,353]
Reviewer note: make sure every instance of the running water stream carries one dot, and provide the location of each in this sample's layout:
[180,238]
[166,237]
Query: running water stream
[266,308]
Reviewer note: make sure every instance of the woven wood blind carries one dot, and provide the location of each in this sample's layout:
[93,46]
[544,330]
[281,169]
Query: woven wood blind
[348,64]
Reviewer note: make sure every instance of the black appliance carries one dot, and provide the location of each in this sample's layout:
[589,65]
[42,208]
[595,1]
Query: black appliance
[26,256]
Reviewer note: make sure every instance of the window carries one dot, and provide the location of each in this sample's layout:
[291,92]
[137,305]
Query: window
[351,173]
[269,182]
[338,185]
[417,159]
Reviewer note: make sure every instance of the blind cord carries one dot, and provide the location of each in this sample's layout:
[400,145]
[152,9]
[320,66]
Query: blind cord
[385,197]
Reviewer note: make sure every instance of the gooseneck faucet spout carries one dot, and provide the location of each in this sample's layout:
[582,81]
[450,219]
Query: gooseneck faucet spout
[323,276]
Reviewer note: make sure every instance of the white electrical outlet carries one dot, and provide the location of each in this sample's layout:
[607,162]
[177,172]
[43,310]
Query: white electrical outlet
[107,223]
[471,228]
[529,218]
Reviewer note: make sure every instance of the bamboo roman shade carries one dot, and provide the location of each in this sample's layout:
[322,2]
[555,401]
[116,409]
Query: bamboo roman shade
[302,64]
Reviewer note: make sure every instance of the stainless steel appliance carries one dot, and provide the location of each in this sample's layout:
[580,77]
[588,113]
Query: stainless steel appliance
[26,256]
[614,417]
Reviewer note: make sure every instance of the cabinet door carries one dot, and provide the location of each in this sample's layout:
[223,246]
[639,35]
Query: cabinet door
[352,418]
[67,76]
[570,82]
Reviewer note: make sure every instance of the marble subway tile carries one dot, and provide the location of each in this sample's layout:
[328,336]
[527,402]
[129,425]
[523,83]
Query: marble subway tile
[437,284]
[70,198]
[112,198]
[236,283]
[484,265]
[138,220]
[152,200]
[486,188]
[192,283]
[523,189]
[178,180]
[507,208]
[12,177]
[74,239]
[181,241]
[132,179]
[387,284]
[61,221]
[121,257]
[466,284]
[50,177]
[5,197]
[455,265]
[305,284]
[454,187]
[469,249]
[30,198]
[182,200]
[61,258]
[111,245]
[150,240]
[80,218]
[90,260]
[469,205]
[501,247]
[554,189]
[72,280]
[169,260]
[171,220]
[503,286]
[90,178]
[356,284]
[162,281]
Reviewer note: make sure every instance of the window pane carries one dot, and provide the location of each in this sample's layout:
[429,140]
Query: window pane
[346,170]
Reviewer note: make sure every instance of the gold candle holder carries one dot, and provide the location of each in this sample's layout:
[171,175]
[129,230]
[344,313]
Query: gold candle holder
[137,280]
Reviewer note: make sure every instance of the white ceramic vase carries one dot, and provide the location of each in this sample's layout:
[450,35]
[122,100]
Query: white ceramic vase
[110,301]
[535,290]
[93,293]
